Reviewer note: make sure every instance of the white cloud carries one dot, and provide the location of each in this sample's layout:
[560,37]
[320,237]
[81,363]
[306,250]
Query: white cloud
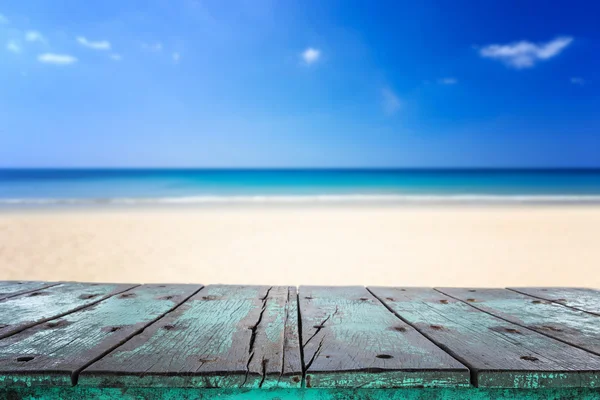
[13,46]
[34,36]
[176,57]
[391,102]
[56,59]
[525,54]
[99,45]
[448,81]
[115,57]
[578,81]
[3,19]
[155,47]
[311,55]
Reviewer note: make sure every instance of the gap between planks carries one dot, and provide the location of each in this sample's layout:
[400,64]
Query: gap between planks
[472,374]
[515,322]
[60,315]
[49,285]
[516,290]
[75,375]
[301,341]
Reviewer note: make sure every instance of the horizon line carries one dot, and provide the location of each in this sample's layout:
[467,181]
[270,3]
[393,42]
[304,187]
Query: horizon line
[340,168]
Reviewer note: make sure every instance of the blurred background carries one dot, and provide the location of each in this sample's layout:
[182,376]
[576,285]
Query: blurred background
[398,143]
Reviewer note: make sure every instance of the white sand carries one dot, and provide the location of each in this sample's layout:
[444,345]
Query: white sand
[451,246]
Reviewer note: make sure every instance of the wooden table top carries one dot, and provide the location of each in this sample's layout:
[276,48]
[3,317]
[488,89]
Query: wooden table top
[156,337]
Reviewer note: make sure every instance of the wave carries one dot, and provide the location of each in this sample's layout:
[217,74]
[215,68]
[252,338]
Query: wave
[307,199]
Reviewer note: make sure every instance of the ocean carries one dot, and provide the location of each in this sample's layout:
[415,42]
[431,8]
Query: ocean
[31,187]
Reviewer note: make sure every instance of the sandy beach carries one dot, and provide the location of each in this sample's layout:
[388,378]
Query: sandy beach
[400,246]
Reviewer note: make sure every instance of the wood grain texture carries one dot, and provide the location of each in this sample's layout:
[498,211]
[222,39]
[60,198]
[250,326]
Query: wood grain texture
[15,288]
[583,299]
[23,311]
[350,340]
[569,325]
[224,336]
[54,352]
[499,353]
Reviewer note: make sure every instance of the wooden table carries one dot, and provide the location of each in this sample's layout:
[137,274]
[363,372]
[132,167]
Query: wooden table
[87,340]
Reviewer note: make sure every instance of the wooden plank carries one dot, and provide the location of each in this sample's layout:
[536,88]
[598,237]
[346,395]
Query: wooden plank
[23,311]
[15,288]
[53,353]
[569,325]
[224,336]
[350,340]
[292,360]
[277,339]
[583,299]
[499,353]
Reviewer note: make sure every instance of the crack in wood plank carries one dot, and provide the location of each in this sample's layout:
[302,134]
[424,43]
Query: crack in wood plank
[321,325]
[284,342]
[319,347]
[303,383]
[264,372]
[253,338]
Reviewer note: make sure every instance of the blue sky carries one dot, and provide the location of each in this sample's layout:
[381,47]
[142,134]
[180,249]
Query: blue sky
[255,83]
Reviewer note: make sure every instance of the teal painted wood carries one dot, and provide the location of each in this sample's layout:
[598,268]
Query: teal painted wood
[350,340]
[224,336]
[23,311]
[15,288]
[81,392]
[569,325]
[498,353]
[583,299]
[53,353]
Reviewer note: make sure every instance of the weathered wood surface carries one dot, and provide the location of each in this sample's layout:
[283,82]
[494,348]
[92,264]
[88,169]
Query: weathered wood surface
[23,311]
[569,325]
[177,341]
[156,393]
[53,353]
[224,336]
[292,358]
[350,340]
[15,288]
[498,353]
[583,299]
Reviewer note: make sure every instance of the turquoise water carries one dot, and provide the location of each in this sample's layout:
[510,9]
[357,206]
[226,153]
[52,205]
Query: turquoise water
[156,186]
